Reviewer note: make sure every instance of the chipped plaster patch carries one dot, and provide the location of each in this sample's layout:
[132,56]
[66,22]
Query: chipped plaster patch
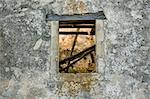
[37,44]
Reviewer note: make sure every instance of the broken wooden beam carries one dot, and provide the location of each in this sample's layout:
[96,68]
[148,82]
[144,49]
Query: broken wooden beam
[74,43]
[77,59]
[82,56]
[92,57]
[76,55]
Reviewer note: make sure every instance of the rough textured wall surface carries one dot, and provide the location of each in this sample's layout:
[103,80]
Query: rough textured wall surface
[25,51]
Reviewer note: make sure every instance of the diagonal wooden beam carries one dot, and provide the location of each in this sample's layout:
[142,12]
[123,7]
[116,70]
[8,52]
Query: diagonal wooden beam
[77,59]
[76,55]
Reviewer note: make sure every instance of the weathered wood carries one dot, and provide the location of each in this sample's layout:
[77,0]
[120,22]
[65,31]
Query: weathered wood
[77,22]
[92,57]
[54,47]
[77,59]
[76,26]
[73,33]
[76,55]
[86,16]
[74,43]
[92,31]
[82,56]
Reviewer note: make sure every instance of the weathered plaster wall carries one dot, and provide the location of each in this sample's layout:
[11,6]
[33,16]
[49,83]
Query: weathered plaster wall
[25,50]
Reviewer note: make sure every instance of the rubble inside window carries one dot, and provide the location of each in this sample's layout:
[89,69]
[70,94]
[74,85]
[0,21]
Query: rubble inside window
[77,46]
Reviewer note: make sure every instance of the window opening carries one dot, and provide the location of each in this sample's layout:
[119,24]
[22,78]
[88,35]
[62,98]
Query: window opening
[77,44]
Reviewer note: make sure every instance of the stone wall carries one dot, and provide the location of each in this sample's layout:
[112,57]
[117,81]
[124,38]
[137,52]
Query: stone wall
[25,51]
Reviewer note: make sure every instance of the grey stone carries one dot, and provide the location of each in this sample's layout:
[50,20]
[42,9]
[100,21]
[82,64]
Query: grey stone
[25,59]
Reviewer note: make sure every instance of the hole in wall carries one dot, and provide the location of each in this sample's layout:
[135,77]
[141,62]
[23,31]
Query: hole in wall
[77,46]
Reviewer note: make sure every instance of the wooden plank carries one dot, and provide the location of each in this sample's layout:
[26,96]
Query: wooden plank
[74,43]
[78,58]
[73,33]
[86,16]
[92,31]
[92,57]
[76,26]
[92,48]
[77,22]
[54,47]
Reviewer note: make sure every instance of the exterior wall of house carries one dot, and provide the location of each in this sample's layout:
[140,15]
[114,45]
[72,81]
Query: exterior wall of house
[25,39]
